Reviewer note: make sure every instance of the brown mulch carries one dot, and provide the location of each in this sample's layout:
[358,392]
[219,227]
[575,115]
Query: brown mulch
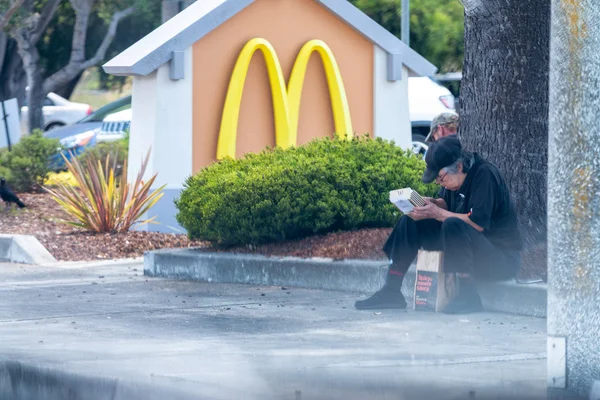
[66,243]
[361,244]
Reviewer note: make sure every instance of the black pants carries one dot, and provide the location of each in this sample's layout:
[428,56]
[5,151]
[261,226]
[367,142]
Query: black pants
[466,250]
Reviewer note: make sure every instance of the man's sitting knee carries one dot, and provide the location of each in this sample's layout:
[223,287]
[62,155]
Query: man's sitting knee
[453,223]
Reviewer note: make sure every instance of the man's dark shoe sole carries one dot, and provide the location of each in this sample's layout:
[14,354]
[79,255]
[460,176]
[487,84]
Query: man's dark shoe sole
[398,304]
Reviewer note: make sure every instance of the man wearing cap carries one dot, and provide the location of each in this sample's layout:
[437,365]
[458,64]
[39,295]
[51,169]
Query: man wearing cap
[444,124]
[477,230]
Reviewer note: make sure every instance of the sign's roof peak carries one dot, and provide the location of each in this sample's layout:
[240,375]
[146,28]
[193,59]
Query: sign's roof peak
[203,16]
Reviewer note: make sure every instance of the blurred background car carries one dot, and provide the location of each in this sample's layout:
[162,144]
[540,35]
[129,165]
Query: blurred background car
[426,99]
[81,135]
[57,112]
[114,126]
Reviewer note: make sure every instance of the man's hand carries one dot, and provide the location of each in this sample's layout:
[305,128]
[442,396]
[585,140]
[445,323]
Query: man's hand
[429,211]
[441,203]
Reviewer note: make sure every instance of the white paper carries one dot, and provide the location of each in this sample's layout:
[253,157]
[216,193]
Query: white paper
[400,198]
[403,205]
[11,108]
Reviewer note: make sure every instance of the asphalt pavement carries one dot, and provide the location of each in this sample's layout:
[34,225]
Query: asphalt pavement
[110,332]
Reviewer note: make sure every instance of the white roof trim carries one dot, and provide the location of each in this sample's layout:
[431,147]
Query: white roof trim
[177,34]
[203,16]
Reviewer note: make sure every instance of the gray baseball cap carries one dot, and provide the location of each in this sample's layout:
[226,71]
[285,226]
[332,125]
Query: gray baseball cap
[441,119]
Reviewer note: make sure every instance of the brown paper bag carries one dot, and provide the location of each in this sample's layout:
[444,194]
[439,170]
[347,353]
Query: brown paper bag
[433,288]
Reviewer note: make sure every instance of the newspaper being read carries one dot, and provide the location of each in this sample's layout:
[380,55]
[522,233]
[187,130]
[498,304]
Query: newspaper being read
[406,199]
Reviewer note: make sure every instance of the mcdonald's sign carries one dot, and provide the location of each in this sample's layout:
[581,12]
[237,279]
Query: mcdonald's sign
[286,98]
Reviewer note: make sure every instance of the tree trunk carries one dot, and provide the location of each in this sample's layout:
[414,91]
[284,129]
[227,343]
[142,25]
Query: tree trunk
[504,106]
[3,49]
[67,90]
[171,8]
[12,76]
[35,95]
[35,100]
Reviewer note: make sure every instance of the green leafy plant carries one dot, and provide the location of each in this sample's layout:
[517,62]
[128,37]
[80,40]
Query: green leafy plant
[324,186]
[117,151]
[5,173]
[101,202]
[27,163]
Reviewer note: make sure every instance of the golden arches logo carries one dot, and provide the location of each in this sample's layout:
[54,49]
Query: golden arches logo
[286,100]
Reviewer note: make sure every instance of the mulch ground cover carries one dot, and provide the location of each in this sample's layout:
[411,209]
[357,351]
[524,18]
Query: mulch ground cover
[66,243]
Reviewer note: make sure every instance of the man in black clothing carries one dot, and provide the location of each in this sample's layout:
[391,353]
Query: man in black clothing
[474,223]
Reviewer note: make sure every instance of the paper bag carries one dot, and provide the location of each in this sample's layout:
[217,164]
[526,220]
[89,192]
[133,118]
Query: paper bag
[434,289]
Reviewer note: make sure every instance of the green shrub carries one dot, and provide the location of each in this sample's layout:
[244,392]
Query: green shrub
[27,163]
[324,186]
[116,151]
[5,172]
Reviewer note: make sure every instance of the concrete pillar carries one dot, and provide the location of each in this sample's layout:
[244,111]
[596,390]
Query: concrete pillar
[574,200]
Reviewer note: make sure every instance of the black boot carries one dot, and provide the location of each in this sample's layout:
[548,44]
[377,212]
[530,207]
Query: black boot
[467,300]
[383,299]
[390,296]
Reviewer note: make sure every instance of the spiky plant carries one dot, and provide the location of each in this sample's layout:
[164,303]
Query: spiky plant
[102,203]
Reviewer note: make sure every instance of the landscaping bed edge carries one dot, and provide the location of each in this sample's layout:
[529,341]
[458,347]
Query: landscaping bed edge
[358,276]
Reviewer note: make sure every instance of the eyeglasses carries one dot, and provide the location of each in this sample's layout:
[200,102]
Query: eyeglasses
[440,179]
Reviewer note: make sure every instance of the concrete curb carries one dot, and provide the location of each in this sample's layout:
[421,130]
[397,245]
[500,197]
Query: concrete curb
[359,276]
[23,249]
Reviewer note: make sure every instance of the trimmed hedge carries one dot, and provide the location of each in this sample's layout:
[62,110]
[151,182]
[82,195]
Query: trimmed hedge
[324,186]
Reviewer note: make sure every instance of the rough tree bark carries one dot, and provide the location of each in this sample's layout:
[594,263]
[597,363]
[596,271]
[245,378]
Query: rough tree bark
[26,47]
[504,105]
[26,34]
[12,76]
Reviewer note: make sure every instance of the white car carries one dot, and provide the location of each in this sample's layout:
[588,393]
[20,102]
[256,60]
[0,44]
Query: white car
[426,99]
[57,112]
[114,126]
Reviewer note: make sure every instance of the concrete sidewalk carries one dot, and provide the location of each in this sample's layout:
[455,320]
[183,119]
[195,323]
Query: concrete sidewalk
[109,332]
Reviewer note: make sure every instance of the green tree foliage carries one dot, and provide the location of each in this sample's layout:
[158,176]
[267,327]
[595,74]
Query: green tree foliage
[436,27]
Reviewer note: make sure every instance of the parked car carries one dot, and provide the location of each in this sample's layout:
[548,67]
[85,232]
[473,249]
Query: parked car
[115,126]
[451,81]
[57,112]
[426,99]
[81,135]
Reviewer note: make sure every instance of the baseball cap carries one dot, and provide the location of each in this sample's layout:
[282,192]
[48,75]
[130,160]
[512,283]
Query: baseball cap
[441,119]
[441,154]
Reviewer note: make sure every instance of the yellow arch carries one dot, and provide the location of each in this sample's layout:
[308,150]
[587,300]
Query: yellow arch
[286,102]
[233,101]
[337,91]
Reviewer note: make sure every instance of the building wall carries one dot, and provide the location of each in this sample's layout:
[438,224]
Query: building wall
[162,122]
[390,103]
[277,21]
